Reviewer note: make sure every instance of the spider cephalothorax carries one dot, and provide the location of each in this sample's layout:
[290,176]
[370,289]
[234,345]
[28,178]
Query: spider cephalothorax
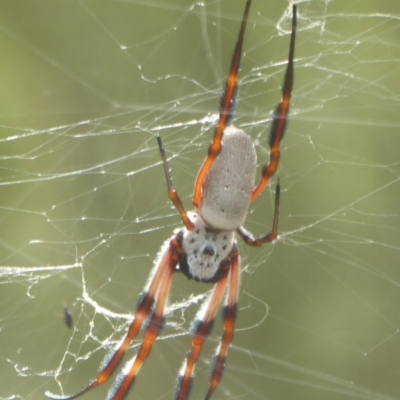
[205,249]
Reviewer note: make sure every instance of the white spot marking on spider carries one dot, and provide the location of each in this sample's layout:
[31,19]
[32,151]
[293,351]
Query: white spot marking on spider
[205,249]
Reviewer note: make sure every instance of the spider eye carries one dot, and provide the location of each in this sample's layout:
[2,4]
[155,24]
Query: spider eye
[208,250]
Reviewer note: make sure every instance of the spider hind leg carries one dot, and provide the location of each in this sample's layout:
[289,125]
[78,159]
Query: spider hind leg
[226,112]
[280,116]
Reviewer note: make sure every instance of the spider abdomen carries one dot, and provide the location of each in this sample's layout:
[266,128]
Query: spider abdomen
[229,183]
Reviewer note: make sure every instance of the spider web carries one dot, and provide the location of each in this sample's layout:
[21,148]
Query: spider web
[87,85]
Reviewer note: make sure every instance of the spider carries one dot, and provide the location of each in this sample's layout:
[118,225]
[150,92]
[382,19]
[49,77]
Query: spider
[205,248]
[68,317]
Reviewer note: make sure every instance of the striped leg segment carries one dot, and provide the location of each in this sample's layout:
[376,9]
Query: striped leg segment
[229,317]
[172,193]
[201,329]
[226,111]
[160,278]
[269,237]
[127,377]
[280,117]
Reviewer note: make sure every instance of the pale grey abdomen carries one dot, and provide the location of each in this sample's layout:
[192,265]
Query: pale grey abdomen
[229,183]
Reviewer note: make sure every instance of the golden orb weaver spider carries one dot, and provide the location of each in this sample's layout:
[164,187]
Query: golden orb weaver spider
[205,249]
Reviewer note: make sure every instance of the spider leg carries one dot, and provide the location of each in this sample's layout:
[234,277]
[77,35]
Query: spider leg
[167,262]
[269,237]
[279,118]
[225,114]
[127,377]
[229,317]
[200,330]
[172,193]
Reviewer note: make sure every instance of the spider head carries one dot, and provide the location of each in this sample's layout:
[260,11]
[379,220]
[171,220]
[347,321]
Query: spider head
[205,249]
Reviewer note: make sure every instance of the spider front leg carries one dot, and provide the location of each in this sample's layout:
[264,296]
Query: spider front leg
[203,324]
[201,328]
[229,316]
[127,377]
[158,285]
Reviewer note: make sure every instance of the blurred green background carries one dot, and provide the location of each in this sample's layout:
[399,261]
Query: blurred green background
[86,86]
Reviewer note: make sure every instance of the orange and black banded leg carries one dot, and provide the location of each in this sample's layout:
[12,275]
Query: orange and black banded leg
[167,262]
[200,330]
[226,111]
[270,237]
[279,117]
[229,317]
[127,377]
[172,193]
